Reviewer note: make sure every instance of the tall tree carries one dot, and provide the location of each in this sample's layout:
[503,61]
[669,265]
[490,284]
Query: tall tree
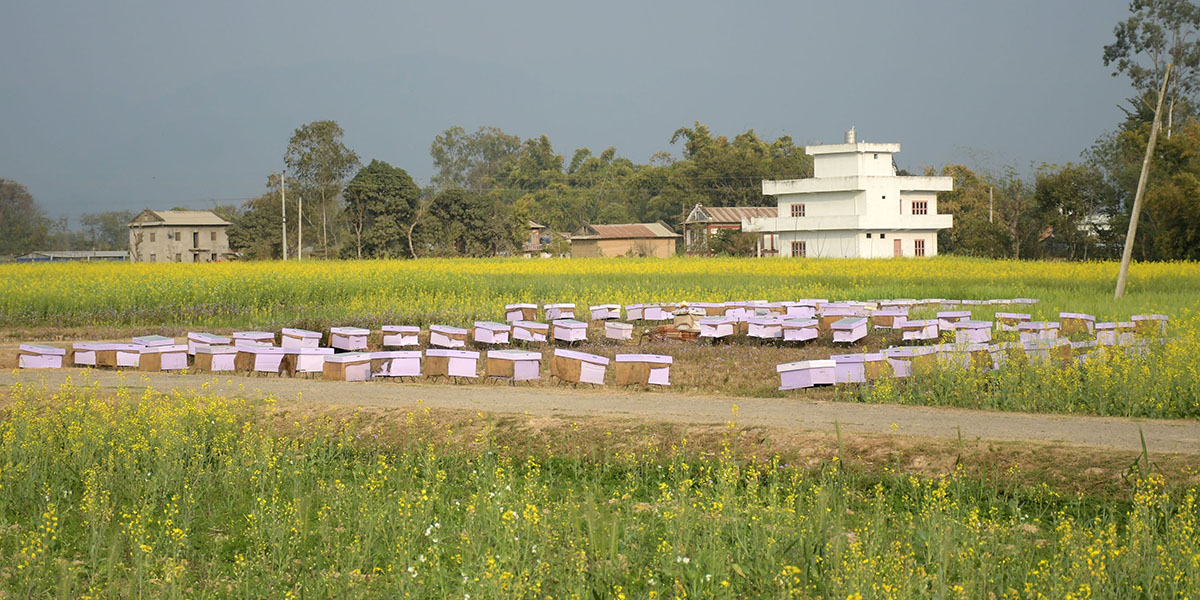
[320,162]
[381,201]
[107,230]
[23,226]
[1158,33]
[471,160]
[1072,200]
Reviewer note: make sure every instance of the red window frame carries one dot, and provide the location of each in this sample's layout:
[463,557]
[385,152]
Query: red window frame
[918,247]
[799,249]
[920,207]
[798,209]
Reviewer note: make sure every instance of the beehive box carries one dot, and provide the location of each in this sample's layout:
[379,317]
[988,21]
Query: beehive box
[348,366]
[889,318]
[299,338]
[972,332]
[1150,324]
[876,366]
[153,340]
[615,330]
[445,336]
[348,338]
[564,310]
[259,358]
[947,318]
[214,359]
[441,362]
[578,367]
[900,359]
[849,329]
[38,356]
[241,338]
[849,368]
[1010,321]
[305,360]
[195,338]
[604,312]
[949,305]
[711,309]
[658,312]
[489,332]
[635,312]
[805,374]
[1106,333]
[569,330]
[716,327]
[396,363]
[515,365]
[401,336]
[832,313]
[643,369]
[1038,330]
[1073,323]
[520,312]
[800,330]
[163,358]
[83,354]
[800,310]
[530,331]
[766,328]
[119,355]
[920,330]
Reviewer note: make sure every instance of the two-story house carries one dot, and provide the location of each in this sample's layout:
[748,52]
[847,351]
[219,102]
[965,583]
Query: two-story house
[178,236]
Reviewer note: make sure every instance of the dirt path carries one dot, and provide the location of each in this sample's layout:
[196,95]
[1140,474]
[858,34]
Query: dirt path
[772,413]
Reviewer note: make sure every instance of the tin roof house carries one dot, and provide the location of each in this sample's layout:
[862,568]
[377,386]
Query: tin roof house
[633,239]
[855,206]
[704,221]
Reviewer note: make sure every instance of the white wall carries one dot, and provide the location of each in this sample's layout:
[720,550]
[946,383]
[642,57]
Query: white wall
[885,247]
[825,204]
[849,164]
[821,244]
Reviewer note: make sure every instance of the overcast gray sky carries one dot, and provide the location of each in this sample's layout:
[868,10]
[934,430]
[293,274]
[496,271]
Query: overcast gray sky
[127,105]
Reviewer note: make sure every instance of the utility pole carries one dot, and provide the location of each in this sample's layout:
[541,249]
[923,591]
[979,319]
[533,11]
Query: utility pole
[1127,255]
[300,227]
[283,211]
[991,204]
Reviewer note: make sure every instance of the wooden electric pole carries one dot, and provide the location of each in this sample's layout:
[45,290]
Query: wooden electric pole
[1127,255]
[283,212]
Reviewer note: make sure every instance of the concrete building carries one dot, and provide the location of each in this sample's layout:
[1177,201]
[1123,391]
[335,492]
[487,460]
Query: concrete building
[633,239]
[704,221]
[74,255]
[855,206]
[178,236]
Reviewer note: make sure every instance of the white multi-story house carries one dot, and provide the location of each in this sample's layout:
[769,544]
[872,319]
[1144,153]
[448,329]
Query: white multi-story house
[855,206]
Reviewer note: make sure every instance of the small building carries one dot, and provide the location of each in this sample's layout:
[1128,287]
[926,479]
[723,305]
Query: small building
[541,242]
[855,206]
[178,236]
[633,239]
[704,221]
[74,255]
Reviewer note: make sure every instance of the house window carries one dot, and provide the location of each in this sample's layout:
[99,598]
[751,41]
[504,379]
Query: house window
[212,236]
[139,237]
[920,207]
[153,257]
[178,256]
[918,247]
[195,239]
[882,235]
[798,250]
[178,236]
[876,155]
[214,257]
[151,237]
[798,210]
[868,236]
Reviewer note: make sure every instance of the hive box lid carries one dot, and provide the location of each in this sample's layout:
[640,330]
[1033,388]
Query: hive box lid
[448,329]
[1100,326]
[716,320]
[301,333]
[584,356]
[153,340]
[349,331]
[448,353]
[262,349]
[531,325]
[401,329]
[973,325]
[1083,316]
[561,305]
[111,346]
[520,305]
[492,325]
[849,322]
[765,320]
[620,325]
[162,349]
[799,323]
[660,359]
[215,349]
[604,306]
[805,364]
[348,357]
[570,323]
[1148,318]
[253,335]
[848,358]
[1038,325]
[308,351]
[40,349]
[514,355]
[953,313]
[397,354]
[207,338]
[1011,315]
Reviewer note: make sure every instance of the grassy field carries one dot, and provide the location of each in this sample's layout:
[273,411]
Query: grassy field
[270,295]
[181,496]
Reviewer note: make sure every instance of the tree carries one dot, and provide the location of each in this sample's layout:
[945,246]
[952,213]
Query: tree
[320,162]
[979,229]
[23,226]
[1159,32]
[471,161]
[107,230]
[466,223]
[257,232]
[1072,200]
[381,201]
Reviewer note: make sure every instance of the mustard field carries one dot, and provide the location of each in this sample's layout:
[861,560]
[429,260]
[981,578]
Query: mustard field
[269,295]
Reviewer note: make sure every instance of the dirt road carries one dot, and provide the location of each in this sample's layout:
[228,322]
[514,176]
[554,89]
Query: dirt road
[772,413]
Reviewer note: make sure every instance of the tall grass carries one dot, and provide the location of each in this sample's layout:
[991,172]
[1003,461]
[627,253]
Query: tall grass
[182,496]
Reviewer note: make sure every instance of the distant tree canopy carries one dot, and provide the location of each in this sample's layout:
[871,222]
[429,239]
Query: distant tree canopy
[23,226]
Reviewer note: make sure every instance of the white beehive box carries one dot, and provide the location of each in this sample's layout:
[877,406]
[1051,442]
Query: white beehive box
[163,358]
[605,312]
[38,356]
[658,312]
[401,336]
[578,367]
[973,332]
[643,369]
[890,317]
[716,327]
[306,360]
[805,374]
[514,365]
[530,331]
[348,338]
[396,363]
[84,353]
[442,362]
[919,330]
[849,368]
[116,355]
[348,366]
[445,336]
[259,358]
[832,313]
[616,330]
[564,310]
[635,312]
[520,312]
[1150,324]
[1072,323]
[1010,321]
[241,338]
[766,328]
[214,359]
[569,330]
[153,340]
[195,338]
[849,329]
[711,309]
[800,330]
[299,338]
[1038,330]
[488,332]
[800,310]
[947,318]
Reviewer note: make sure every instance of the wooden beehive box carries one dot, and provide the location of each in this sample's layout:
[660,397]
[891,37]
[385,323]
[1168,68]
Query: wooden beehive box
[299,338]
[530,331]
[163,358]
[947,318]
[401,336]
[445,336]
[396,363]
[900,360]
[1038,330]
[766,328]
[711,309]
[578,367]
[716,327]
[1073,323]
[564,310]
[849,329]
[441,362]
[876,366]
[259,358]
[849,368]
[83,354]
[119,356]
[925,359]
[832,313]
[604,312]
[489,332]
[195,338]
[889,317]
[214,359]
[241,338]
[348,366]
[515,365]
[1150,324]
[800,330]
[520,312]
[349,339]
[305,360]
[920,330]
[1106,333]
[972,332]
[569,330]
[38,356]
[642,369]
[658,312]
[800,310]
[805,374]
[616,330]
[1010,321]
